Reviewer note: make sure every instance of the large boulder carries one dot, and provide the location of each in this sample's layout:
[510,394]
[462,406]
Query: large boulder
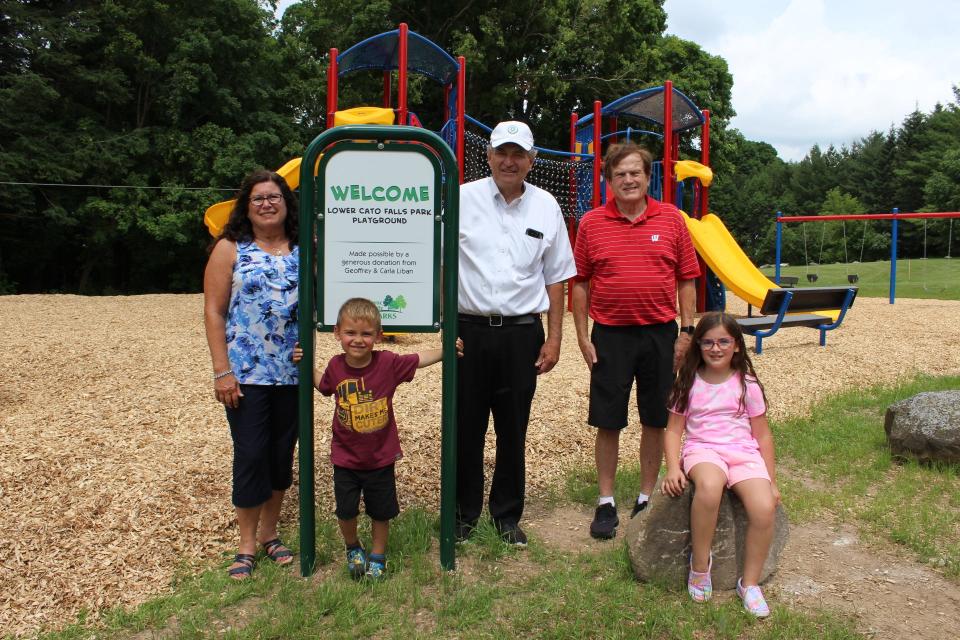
[925,427]
[658,540]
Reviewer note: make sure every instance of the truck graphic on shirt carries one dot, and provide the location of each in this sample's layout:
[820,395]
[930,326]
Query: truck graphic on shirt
[356,408]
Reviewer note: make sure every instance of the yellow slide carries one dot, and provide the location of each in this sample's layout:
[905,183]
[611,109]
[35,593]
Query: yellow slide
[217,215]
[728,261]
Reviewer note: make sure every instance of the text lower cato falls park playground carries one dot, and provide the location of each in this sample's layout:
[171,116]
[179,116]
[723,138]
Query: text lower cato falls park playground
[371,213]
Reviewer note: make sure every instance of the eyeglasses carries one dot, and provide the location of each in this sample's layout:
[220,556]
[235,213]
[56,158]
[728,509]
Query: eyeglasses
[724,343]
[273,198]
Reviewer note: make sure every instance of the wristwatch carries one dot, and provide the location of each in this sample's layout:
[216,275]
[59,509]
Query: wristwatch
[687,329]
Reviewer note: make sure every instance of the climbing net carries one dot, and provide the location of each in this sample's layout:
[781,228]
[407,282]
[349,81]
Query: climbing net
[569,181]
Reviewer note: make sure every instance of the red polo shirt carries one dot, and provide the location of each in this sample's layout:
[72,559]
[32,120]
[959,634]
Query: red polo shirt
[634,266]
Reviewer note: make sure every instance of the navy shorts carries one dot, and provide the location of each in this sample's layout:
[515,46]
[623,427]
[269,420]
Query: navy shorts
[637,352]
[264,428]
[379,489]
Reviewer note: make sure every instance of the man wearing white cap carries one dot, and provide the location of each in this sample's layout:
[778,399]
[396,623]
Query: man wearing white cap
[514,257]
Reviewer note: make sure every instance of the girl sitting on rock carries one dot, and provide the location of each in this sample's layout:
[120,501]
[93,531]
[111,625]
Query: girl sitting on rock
[719,402]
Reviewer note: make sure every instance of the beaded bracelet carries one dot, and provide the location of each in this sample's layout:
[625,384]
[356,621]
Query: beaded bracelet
[226,373]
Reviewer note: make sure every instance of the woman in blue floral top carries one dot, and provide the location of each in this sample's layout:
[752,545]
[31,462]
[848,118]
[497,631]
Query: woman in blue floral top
[250,314]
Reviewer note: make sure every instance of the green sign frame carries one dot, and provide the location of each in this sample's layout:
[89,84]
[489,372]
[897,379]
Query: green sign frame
[446,263]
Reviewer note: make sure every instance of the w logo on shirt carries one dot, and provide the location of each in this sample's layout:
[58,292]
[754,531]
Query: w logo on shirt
[655,237]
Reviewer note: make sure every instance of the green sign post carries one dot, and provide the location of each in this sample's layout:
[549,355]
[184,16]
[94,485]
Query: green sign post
[380,220]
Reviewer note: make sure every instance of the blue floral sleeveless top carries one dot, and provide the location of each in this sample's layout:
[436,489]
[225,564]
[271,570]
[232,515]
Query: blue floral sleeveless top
[262,316]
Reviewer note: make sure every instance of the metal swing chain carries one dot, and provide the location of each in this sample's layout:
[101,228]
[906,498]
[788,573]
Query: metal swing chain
[863,241]
[845,258]
[950,238]
[823,230]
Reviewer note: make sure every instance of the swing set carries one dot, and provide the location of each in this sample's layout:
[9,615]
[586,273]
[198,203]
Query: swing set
[852,278]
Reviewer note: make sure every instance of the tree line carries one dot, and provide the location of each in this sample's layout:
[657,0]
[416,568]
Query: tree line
[914,167]
[152,110]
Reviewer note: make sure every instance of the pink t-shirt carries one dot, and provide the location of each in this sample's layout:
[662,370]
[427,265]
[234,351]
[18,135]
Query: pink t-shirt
[715,418]
[364,428]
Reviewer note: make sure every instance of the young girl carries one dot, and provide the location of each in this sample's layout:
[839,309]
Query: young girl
[719,402]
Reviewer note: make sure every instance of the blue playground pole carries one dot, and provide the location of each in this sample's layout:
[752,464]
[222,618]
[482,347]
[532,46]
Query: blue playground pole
[776,277]
[893,258]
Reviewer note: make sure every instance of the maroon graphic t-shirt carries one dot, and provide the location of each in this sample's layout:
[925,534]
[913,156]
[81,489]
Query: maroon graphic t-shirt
[364,428]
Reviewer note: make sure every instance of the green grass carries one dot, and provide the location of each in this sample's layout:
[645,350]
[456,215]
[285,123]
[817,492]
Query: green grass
[937,278]
[507,594]
[499,592]
[842,468]
[835,466]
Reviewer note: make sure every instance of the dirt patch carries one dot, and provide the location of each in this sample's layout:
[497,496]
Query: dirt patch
[115,463]
[826,567]
[565,528]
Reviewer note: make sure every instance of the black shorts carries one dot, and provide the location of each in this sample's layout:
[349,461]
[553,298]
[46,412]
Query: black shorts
[379,488]
[638,352]
[264,431]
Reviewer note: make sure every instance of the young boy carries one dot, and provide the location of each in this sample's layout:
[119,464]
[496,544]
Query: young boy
[365,442]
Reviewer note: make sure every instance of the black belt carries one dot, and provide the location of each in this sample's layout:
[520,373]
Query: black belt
[496,320]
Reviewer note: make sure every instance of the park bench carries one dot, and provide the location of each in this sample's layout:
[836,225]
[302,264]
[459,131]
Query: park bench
[788,282]
[799,303]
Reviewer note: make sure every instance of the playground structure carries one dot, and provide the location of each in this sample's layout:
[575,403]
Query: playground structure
[574,177]
[401,50]
[674,113]
[895,216]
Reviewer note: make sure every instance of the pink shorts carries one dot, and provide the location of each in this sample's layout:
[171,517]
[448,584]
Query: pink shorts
[736,464]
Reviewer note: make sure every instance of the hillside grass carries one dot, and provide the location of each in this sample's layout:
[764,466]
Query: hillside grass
[934,278]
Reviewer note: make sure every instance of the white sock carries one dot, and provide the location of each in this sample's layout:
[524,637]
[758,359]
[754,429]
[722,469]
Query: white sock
[643,498]
[606,500]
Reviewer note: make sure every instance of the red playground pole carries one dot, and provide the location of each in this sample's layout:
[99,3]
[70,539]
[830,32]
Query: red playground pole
[597,135]
[667,193]
[705,161]
[332,87]
[402,80]
[571,222]
[461,110]
[702,208]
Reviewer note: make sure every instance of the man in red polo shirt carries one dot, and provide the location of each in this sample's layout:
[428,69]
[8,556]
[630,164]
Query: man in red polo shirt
[635,262]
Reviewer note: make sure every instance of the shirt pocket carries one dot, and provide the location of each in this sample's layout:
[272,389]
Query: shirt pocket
[529,252]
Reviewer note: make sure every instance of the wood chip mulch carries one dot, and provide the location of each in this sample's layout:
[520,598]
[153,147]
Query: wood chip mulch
[115,458]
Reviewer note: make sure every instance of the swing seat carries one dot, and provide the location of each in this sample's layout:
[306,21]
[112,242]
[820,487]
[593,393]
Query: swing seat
[853,278]
[778,302]
[811,277]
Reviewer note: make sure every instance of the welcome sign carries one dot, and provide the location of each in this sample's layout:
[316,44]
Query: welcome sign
[380,229]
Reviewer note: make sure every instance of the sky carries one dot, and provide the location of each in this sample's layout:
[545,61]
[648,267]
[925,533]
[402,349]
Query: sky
[823,72]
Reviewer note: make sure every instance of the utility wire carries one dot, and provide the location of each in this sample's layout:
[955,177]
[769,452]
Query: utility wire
[110,186]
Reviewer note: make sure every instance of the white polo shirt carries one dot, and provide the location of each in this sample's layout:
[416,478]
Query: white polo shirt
[510,253]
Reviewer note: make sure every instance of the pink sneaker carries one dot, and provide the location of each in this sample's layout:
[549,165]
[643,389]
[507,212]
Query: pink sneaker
[753,600]
[699,584]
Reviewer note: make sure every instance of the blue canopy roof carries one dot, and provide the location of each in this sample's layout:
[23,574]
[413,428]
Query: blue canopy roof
[647,104]
[382,52]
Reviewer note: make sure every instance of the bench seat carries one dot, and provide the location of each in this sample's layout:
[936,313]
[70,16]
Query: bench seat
[751,325]
[788,307]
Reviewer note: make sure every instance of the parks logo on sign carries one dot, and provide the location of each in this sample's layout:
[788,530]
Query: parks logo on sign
[391,308]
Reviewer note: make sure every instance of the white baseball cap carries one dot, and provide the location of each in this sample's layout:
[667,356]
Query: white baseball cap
[512,131]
